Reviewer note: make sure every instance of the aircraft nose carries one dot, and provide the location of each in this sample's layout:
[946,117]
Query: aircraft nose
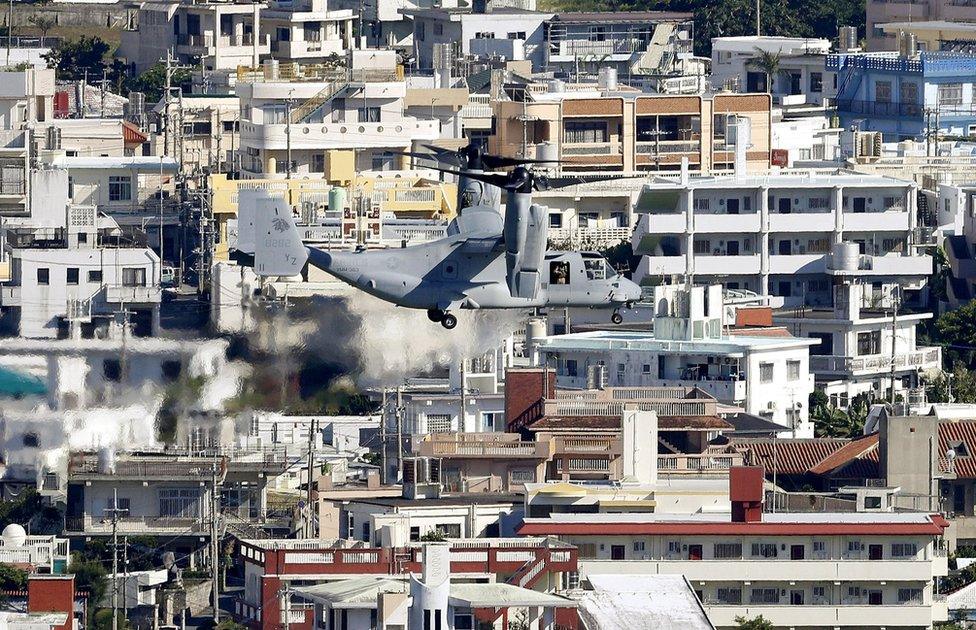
[632,290]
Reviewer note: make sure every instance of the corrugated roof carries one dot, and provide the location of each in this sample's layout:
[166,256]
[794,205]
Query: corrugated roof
[789,457]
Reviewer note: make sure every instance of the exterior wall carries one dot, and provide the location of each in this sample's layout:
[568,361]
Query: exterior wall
[731,58]
[419,520]
[462,29]
[52,594]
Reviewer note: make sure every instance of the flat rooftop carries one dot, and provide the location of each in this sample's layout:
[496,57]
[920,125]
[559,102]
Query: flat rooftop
[795,180]
[733,345]
[605,17]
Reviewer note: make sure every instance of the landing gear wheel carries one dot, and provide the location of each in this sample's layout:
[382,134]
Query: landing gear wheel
[448,321]
[435,314]
[616,318]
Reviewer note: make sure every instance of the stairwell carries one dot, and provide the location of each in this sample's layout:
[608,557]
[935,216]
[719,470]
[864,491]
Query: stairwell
[652,58]
[668,445]
[304,111]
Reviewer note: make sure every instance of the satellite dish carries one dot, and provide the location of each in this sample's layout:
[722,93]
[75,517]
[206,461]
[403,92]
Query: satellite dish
[950,454]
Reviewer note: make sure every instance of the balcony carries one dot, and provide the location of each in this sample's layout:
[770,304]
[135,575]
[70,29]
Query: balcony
[784,615]
[665,265]
[582,465]
[572,49]
[698,464]
[797,263]
[591,153]
[668,151]
[309,49]
[135,525]
[587,445]
[852,107]
[353,135]
[595,237]
[921,359]
[726,223]
[727,265]
[487,445]
[888,221]
[802,222]
[118,294]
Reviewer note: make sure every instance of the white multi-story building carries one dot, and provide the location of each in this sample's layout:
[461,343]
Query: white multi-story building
[308,30]
[26,101]
[958,205]
[797,570]
[802,77]
[777,234]
[866,345]
[331,124]
[767,376]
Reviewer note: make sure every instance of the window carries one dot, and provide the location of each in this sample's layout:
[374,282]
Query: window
[598,33]
[571,367]
[950,94]
[95,275]
[909,92]
[438,423]
[729,595]
[701,205]
[516,35]
[818,203]
[368,114]
[71,275]
[489,420]
[904,550]
[197,128]
[819,593]
[421,31]
[819,550]
[585,131]
[366,532]
[646,368]
[122,504]
[869,342]
[318,163]
[674,547]
[43,276]
[727,550]
[82,238]
[30,440]
[522,475]
[414,534]
[854,547]
[555,219]
[793,370]
[485,35]
[179,502]
[816,82]
[112,370]
[872,503]
[438,28]
[764,596]
[826,345]
[463,621]
[133,276]
[638,545]
[882,91]
[119,188]
[764,550]
[450,530]
[909,596]
[765,372]
[229,126]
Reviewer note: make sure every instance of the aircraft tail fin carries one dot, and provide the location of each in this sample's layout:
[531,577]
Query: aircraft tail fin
[278,247]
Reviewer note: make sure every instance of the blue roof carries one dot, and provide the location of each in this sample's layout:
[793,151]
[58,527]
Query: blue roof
[17,385]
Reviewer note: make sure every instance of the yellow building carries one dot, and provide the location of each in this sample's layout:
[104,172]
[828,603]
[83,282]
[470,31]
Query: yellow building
[407,194]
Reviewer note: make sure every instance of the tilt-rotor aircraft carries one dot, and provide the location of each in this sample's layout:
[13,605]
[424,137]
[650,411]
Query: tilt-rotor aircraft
[486,261]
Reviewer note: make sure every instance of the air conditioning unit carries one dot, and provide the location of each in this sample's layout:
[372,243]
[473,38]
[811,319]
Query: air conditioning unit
[53,138]
[771,405]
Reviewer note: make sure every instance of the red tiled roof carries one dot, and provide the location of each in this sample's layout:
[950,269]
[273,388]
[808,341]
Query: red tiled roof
[865,447]
[790,457]
[953,432]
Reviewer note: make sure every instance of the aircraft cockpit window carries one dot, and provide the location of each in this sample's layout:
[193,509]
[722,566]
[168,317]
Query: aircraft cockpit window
[558,272]
[597,269]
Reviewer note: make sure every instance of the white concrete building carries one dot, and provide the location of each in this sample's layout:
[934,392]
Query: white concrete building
[957,208]
[26,101]
[308,30]
[776,234]
[768,376]
[39,554]
[797,570]
[802,77]
[861,340]
[331,124]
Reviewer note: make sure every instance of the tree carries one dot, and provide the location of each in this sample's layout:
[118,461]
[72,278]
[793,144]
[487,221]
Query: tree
[769,64]
[758,623]
[152,82]
[12,578]
[77,58]
[43,24]
[957,332]
[830,422]
[89,576]
[959,385]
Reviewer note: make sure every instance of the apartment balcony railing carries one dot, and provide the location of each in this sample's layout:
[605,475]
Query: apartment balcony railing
[668,147]
[615,408]
[588,445]
[13,187]
[139,295]
[584,465]
[693,464]
[596,236]
[879,108]
[923,358]
[436,446]
[135,524]
[194,40]
[584,47]
[288,72]
[591,148]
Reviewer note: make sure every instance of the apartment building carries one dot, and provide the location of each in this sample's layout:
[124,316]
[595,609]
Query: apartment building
[615,129]
[775,234]
[219,35]
[26,100]
[308,30]
[867,343]
[814,570]
[902,95]
[270,565]
[633,43]
[350,119]
[960,248]
[766,375]
[950,13]
[802,77]
[203,132]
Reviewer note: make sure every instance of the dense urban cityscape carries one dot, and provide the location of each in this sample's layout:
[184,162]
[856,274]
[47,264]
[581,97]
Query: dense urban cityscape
[500,314]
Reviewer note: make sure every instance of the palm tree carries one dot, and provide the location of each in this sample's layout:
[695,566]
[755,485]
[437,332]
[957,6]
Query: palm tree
[768,63]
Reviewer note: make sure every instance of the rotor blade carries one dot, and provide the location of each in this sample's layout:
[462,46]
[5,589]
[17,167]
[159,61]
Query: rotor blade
[440,151]
[449,159]
[501,161]
[495,179]
[565,181]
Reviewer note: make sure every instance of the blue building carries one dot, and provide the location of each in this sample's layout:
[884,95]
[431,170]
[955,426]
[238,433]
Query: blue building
[899,96]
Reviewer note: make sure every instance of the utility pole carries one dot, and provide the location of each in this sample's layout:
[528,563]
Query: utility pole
[310,529]
[288,138]
[214,543]
[384,474]
[757,18]
[10,27]
[399,434]
[114,513]
[894,335]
